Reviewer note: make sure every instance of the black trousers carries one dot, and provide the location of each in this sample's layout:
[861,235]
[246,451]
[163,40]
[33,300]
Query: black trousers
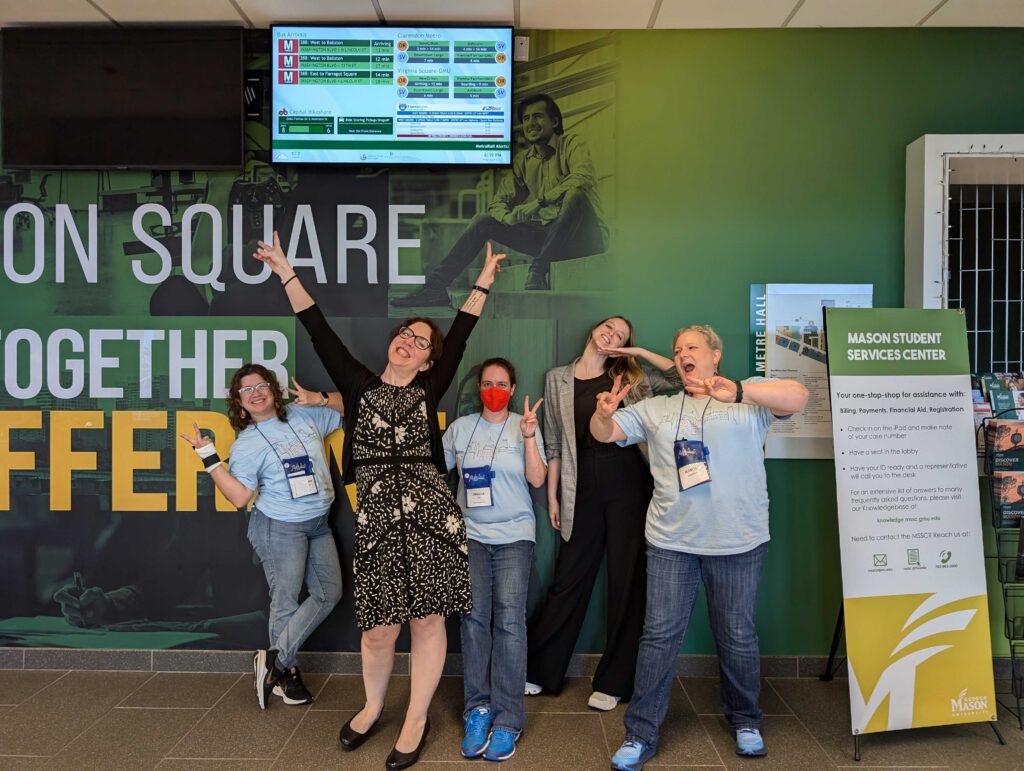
[576,233]
[613,490]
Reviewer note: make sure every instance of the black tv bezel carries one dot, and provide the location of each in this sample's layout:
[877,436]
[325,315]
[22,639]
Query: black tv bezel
[8,164]
[426,166]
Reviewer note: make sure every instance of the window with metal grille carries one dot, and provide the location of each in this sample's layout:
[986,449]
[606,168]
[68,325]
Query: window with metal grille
[985,274]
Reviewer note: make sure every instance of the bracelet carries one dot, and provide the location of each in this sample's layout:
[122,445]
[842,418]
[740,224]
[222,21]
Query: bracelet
[211,462]
[325,397]
[479,288]
[294,276]
[739,391]
[529,436]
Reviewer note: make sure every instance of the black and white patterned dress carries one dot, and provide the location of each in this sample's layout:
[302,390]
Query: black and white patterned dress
[411,557]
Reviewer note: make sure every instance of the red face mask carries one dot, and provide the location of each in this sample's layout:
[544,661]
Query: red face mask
[495,399]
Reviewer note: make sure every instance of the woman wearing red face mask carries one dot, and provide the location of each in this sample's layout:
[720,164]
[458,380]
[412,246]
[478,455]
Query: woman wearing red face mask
[498,453]
[411,558]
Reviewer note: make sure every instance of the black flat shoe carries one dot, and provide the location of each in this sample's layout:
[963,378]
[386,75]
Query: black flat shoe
[350,739]
[398,759]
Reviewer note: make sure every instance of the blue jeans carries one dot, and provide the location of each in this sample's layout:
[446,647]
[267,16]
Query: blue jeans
[494,632]
[673,580]
[293,552]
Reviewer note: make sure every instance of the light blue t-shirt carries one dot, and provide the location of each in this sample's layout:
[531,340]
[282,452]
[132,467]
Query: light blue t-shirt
[510,518]
[256,461]
[729,514]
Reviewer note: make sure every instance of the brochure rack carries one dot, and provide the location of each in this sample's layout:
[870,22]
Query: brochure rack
[1004,465]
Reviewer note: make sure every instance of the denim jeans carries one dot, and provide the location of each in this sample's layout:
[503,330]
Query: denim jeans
[494,632]
[293,552]
[673,580]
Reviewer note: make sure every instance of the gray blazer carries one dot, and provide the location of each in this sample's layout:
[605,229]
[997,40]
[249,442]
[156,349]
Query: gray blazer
[560,425]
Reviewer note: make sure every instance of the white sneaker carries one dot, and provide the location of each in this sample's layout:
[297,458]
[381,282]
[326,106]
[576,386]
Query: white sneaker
[603,701]
[532,689]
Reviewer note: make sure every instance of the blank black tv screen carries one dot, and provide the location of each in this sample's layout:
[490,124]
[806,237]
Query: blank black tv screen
[126,98]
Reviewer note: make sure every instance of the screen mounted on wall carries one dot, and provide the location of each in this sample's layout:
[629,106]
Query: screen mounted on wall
[392,95]
[160,98]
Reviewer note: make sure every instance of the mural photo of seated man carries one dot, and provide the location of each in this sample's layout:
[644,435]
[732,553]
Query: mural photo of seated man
[547,207]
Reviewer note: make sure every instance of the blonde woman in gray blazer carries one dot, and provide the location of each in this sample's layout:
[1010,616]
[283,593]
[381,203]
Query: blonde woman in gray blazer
[597,498]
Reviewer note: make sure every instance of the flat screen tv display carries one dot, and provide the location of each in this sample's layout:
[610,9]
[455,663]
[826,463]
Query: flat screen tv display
[392,95]
[122,98]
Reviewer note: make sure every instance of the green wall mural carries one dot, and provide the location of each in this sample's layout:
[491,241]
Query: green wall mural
[715,159]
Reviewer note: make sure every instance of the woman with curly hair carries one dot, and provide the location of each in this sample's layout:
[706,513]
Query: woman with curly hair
[279,457]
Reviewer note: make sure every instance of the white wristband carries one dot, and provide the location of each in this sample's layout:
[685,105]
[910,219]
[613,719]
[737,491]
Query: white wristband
[206,450]
[209,469]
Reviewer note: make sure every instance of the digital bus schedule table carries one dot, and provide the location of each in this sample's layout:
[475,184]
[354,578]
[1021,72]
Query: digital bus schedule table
[391,95]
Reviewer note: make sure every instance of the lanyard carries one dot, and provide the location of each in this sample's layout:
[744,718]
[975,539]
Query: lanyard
[301,443]
[473,433]
[679,422]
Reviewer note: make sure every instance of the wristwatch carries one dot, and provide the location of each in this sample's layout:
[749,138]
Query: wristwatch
[739,391]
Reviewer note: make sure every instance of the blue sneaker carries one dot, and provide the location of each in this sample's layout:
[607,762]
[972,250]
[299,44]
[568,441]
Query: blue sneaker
[478,729]
[632,755]
[749,743]
[502,744]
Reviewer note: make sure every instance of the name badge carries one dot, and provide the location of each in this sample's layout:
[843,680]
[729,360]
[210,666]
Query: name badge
[478,486]
[301,479]
[692,463]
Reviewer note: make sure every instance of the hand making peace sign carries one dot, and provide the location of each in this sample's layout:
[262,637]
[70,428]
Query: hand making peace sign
[528,425]
[273,255]
[303,397]
[608,401]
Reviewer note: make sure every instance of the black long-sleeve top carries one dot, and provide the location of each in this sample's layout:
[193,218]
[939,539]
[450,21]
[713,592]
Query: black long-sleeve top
[352,378]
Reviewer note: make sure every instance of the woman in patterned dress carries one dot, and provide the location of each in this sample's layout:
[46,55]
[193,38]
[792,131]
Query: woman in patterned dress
[411,562]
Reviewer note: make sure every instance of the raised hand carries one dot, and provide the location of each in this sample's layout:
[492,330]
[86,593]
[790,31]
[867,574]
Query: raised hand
[303,397]
[608,401]
[199,440]
[528,425]
[719,388]
[273,255]
[492,265]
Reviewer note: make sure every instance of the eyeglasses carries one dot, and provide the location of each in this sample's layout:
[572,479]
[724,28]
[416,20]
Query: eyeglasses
[420,342]
[254,389]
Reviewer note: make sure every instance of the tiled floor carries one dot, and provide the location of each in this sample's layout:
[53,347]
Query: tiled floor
[142,720]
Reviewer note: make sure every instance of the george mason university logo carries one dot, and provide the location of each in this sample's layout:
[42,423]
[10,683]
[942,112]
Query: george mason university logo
[969,705]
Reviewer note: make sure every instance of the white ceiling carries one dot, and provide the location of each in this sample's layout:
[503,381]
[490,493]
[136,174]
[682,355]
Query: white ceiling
[530,14]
